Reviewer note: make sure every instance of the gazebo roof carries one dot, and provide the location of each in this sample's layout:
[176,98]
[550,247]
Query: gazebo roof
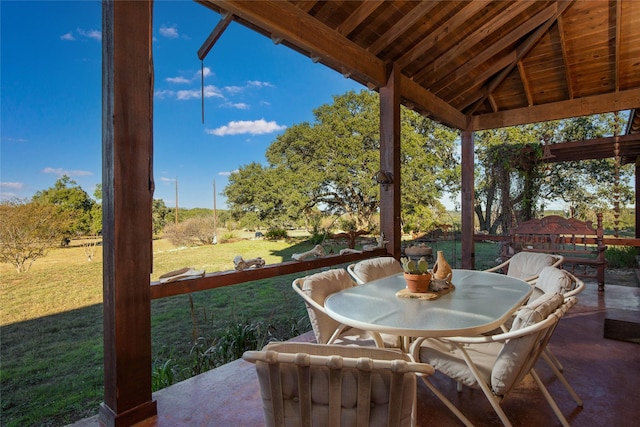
[500,62]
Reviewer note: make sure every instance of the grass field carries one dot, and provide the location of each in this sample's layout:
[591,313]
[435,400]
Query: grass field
[51,322]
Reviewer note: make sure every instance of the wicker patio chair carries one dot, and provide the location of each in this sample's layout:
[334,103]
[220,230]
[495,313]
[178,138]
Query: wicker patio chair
[304,384]
[527,265]
[314,290]
[374,268]
[496,364]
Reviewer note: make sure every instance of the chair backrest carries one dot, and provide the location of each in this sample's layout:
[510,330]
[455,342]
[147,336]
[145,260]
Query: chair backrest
[374,268]
[555,280]
[304,384]
[536,322]
[314,290]
[528,265]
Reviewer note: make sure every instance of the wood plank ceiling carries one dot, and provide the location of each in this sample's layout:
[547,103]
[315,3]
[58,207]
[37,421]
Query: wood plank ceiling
[501,62]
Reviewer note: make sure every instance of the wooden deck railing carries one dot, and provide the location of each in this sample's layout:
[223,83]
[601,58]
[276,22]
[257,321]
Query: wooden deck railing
[232,277]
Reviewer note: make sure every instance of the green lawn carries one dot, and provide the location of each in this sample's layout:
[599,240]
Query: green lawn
[51,322]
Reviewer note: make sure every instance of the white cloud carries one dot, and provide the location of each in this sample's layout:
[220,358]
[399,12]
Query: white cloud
[68,36]
[253,127]
[169,32]
[162,94]
[12,185]
[165,179]
[257,83]
[227,173]
[206,71]
[60,172]
[234,89]
[238,105]
[9,139]
[178,80]
[210,91]
[90,34]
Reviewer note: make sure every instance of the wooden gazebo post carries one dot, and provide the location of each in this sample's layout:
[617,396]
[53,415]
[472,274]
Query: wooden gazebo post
[127,185]
[390,161]
[467,197]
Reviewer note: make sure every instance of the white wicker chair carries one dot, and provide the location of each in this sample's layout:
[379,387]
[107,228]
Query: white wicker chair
[314,290]
[527,265]
[497,363]
[374,268]
[554,280]
[304,384]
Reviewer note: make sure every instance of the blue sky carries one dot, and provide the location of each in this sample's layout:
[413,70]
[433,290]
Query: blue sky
[50,112]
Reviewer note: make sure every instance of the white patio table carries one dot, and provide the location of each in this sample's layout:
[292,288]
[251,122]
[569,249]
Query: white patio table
[480,303]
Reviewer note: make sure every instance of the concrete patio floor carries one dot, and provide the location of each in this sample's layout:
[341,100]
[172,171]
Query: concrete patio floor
[604,372]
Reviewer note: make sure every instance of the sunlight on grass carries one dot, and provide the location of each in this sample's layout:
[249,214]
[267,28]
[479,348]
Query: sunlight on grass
[51,317]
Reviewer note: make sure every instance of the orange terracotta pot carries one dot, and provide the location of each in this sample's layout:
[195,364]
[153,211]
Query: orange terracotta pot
[418,282]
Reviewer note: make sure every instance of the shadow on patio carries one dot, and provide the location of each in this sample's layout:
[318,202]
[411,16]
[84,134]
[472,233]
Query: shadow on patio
[604,372]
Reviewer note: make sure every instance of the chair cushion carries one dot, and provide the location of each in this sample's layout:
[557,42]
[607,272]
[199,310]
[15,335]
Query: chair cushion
[507,370]
[552,280]
[380,397]
[524,265]
[377,268]
[448,359]
[318,287]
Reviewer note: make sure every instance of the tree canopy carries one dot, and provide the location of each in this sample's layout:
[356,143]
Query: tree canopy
[514,182]
[28,232]
[71,200]
[328,165]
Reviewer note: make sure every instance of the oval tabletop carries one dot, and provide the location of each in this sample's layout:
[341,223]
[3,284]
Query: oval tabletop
[480,302]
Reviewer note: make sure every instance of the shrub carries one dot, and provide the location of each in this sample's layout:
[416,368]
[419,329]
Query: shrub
[195,231]
[276,234]
[621,256]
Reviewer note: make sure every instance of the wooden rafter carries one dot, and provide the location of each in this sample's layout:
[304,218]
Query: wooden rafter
[401,26]
[521,51]
[458,20]
[471,94]
[535,22]
[565,58]
[525,83]
[362,12]
[306,5]
[474,38]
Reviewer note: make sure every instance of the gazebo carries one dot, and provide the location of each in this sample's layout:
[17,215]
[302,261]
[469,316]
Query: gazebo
[469,64]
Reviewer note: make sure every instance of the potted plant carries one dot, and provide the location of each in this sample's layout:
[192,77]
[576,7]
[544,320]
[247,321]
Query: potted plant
[416,274]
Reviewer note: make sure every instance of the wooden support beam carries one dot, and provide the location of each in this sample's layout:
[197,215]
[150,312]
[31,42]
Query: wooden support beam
[597,148]
[596,104]
[296,29]
[637,198]
[429,104]
[390,161]
[467,198]
[127,185]
[215,35]
[291,24]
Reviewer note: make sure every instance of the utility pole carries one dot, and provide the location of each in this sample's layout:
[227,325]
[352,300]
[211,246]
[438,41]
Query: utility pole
[176,201]
[215,215]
